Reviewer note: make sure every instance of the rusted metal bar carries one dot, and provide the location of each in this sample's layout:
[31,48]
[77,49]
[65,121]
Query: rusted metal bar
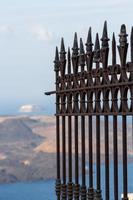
[83,186]
[82,65]
[115,147]
[58,181]
[58,178]
[97,60]
[76,186]
[98,159]
[69,107]
[90,189]
[124,141]
[64,189]
[104,55]
[70,184]
[107,187]
[75,59]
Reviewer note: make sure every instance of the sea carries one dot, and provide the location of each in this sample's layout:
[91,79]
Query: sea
[44,190]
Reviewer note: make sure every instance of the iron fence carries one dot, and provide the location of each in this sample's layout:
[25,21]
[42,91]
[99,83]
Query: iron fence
[86,87]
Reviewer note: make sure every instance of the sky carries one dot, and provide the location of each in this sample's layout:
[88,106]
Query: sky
[29,32]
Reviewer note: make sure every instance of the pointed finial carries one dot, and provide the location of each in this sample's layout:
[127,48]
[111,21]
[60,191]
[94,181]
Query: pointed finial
[113,38]
[75,45]
[113,50]
[105,38]
[89,43]
[123,29]
[82,55]
[56,61]
[81,47]
[69,61]
[97,49]
[132,44]
[62,50]
[56,54]
[123,36]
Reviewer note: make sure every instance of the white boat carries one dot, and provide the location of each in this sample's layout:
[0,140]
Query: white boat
[130,196]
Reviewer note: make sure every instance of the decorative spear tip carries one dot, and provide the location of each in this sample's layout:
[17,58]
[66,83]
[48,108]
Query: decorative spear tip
[97,44]
[69,53]
[75,43]
[132,32]
[81,46]
[62,45]
[89,37]
[68,50]
[69,61]
[123,28]
[113,38]
[56,54]
[105,34]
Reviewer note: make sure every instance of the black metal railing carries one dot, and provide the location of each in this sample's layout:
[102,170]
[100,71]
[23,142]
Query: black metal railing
[86,87]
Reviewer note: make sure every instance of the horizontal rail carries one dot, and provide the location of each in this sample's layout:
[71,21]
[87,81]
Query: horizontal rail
[95,114]
[111,85]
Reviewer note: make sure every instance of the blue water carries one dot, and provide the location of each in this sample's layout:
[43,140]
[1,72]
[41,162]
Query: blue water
[44,190]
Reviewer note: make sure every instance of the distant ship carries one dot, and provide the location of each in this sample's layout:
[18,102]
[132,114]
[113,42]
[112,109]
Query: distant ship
[130,196]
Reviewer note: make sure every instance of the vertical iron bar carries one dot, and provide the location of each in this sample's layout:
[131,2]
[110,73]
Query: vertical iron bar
[70,184]
[76,187]
[115,147]
[124,141]
[90,154]
[63,159]
[58,147]
[83,148]
[106,119]
[58,181]
[98,159]
[83,188]
[90,190]
[70,148]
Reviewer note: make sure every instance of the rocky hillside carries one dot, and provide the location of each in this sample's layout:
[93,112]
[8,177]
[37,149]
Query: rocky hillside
[27,147]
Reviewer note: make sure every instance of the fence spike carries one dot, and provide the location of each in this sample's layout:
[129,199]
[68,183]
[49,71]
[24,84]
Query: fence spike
[75,44]
[75,52]
[56,54]
[62,57]
[56,61]
[81,47]
[97,50]
[89,43]
[132,44]
[69,61]
[82,55]
[113,50]
[122,48]
[62,50]
[123,36]
[105,38]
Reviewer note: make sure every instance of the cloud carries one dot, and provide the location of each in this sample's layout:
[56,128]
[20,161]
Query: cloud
[42,34]
[6,29]
[30,108]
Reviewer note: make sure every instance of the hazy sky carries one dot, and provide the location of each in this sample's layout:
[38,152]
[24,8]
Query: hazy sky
[29,32]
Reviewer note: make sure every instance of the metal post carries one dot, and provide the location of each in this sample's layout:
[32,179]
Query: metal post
[83,187]
[90,190]
[76,186]
[70,184]
[124,141]
[115,147]
[106,119]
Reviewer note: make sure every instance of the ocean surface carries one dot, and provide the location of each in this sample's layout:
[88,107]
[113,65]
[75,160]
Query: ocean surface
[44,190]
